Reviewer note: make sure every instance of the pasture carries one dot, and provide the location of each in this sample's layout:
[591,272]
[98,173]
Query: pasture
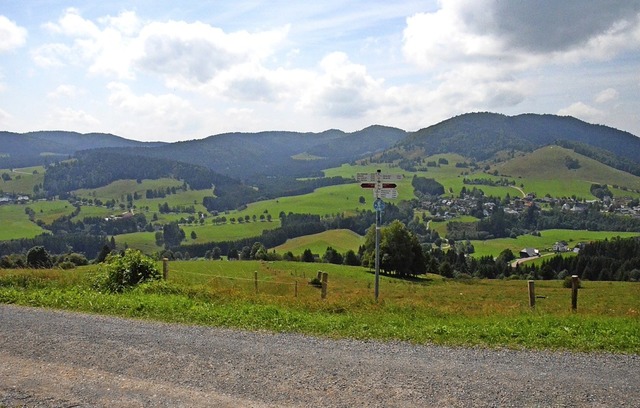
[544,242]
[340,240]
[16,224]
[23,180]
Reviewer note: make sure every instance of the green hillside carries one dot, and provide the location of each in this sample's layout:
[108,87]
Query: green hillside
[340,240]
[545,171]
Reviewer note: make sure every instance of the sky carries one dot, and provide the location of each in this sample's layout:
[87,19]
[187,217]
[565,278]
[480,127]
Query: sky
[181,70]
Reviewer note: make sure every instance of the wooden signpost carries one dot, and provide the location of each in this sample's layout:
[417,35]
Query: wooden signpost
[383,187]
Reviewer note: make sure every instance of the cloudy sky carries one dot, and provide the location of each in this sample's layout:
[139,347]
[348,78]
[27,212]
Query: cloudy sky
[169,70]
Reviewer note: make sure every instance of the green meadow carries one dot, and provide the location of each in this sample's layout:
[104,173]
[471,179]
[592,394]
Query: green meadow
[340,240]
[23,180]
[544,242]
[16,224]
[276,296]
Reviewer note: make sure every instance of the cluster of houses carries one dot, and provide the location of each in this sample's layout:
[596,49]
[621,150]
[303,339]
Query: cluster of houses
[21,199]
[448,208]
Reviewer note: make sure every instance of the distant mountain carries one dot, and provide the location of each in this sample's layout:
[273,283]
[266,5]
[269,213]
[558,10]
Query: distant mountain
[482,135]
[263,155]
[274,153]
[33,148]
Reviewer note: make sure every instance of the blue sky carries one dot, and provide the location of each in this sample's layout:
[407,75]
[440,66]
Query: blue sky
[167,70]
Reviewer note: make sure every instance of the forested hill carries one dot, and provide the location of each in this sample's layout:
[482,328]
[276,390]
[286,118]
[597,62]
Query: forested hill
[33,148]
[98,168]
[293,154]
[481,135]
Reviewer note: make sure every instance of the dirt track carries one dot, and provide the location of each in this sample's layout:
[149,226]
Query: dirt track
[60,359]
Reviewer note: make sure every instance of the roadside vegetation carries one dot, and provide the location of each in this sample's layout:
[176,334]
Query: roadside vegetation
[428,309]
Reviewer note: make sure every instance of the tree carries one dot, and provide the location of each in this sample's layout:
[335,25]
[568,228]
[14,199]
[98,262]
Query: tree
[233,254]
[38,257]
[172,234]
[350,258]
[332,256]
[307,256]
[216,253]
[400,250]
[194,235]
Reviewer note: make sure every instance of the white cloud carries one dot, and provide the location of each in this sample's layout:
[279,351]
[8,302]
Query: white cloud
[582,111]
[192,54]
[12,36]
[344,89]
[4,116]
[71,119]
[481,49]
[107,49]
[607,95]
[164,115]
[65,91]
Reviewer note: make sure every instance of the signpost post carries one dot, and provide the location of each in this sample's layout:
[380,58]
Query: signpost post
[383,187]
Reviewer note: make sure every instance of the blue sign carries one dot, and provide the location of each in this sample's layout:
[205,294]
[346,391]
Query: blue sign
[378,205]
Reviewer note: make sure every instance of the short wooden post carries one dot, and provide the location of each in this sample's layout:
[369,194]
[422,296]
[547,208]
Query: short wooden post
[295,290]
[319,275]
[165,268]
[532,294]
[325,277]
[255,280]
[574,292]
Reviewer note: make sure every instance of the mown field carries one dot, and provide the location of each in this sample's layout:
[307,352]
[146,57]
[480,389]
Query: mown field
[340,240]
[23,180]
[544,242]
[15,223]
[487,313]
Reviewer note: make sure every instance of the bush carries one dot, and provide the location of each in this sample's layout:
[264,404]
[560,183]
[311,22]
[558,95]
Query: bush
[124,271]
[38,257]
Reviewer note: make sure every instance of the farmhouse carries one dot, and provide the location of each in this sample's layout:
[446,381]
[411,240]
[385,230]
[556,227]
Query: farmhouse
[561,246]
[529,252]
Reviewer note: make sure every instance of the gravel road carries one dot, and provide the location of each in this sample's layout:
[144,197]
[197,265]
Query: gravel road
[61,359]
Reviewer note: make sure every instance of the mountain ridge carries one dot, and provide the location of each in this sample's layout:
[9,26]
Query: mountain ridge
[246,155]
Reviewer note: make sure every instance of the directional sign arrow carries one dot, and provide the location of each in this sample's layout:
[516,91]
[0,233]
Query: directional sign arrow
[368,185]
[389,185]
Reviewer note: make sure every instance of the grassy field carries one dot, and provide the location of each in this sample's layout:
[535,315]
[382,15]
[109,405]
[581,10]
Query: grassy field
[488,313]
[544,172]
[16,224]
[544,242]
[340,240]
[23,180]
[49,211]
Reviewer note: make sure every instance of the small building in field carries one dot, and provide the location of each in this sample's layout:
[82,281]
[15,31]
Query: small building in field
[529,252]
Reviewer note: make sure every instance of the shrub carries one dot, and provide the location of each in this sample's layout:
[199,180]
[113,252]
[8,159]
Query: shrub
[38,257]
[123,271]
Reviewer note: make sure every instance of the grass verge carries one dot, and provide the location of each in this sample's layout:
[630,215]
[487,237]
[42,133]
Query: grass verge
[431,310]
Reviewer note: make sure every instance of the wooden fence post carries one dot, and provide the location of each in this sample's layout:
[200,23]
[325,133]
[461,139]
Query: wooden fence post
[325,277]
[532,294]
[165,268]
[255,280]
[319,275]
[574,292]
